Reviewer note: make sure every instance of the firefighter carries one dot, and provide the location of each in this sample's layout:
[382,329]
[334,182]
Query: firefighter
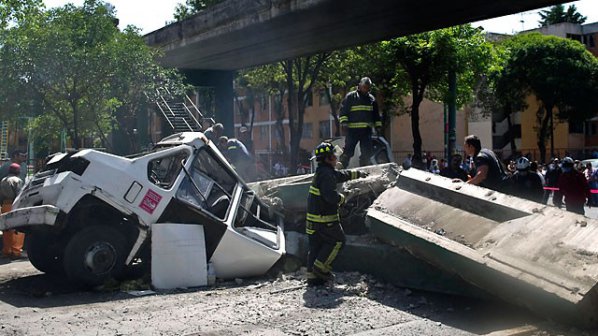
[326,236]
[10,186]
[359,112]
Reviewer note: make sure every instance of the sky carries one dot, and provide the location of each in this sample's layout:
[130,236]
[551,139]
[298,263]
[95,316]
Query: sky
[150,15]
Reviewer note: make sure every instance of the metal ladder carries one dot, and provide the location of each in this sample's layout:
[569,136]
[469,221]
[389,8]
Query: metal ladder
[4,140]
[179,112]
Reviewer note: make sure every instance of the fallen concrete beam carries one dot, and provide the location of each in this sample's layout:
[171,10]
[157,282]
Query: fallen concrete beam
[289,195]
[526,253]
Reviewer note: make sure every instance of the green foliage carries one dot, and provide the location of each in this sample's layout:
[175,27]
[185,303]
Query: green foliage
[192,7]
[73,65]
[17,10]
[560,72]
[557,14]
[421,63]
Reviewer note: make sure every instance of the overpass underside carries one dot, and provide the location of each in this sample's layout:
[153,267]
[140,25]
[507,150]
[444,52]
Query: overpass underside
[237,34]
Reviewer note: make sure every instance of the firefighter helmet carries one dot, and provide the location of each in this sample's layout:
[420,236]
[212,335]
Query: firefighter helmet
[324,150]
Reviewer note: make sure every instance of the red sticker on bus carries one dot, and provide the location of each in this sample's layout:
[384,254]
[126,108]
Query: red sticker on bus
[150,201]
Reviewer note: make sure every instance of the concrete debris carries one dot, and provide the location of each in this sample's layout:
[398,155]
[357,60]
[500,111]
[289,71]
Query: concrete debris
[495,242]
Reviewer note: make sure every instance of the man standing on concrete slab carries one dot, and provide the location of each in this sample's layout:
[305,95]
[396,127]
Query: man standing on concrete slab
[489,172]
[326,236]
[359,112]
[574,187]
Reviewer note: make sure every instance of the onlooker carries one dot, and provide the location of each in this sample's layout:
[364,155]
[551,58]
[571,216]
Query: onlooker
[511,169]
[533,168]
[245,137]
[525,183]
[407,162]
[10,186]
[489,171]
[574,187]
[588,171]
[552,177]
[454,170]
[359,112]
[19,157]
[213,133]
[434,168]
[223,144]
[442,164]
[593,186]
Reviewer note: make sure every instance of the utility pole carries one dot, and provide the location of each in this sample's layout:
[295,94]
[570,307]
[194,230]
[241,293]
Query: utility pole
[452,113]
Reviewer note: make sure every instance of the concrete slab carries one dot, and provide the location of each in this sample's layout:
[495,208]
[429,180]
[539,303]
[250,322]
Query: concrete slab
[289,195]
[526,253]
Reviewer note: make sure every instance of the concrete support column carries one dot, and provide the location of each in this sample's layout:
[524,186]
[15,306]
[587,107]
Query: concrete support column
[222,82]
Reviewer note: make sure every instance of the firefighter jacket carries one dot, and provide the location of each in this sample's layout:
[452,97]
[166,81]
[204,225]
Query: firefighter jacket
[360,111]
[323,200]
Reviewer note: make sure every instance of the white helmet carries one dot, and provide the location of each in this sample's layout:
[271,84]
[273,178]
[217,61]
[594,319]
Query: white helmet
[522,163]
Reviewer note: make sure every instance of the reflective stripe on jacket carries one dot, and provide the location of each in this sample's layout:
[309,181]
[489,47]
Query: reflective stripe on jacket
[323,199]
[360,111]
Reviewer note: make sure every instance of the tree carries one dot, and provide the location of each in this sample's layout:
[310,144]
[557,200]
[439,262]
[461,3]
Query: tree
[559,72]
[72,67]
[425,60]
[192,7]
[557,14]
[14,10]
[268,80]
[301,75]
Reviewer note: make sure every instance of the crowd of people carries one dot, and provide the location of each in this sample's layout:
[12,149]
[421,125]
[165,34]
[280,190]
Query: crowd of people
[568,182]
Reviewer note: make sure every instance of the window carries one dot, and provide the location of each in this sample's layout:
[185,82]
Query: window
[324,98]
[307,131]
[325,129]
[164,171]
[575,127]
[575,37]
[209,185]
[309,99]
[263,132]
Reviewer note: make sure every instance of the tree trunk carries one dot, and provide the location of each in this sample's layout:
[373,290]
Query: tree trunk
[511,136]
[75,125]
[334,113]
[292,108]
[279,124]
[543,119]
[417,138]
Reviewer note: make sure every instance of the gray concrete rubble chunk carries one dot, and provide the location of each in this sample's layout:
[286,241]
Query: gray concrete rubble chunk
[526,253]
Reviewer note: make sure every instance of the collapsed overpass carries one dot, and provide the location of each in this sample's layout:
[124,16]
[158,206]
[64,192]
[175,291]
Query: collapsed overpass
[237,34]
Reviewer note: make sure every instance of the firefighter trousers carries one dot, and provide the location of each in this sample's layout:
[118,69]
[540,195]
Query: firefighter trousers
[12,241]
[325,242]
[364,137]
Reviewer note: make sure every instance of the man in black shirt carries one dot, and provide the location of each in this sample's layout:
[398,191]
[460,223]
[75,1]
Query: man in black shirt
[489,171]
